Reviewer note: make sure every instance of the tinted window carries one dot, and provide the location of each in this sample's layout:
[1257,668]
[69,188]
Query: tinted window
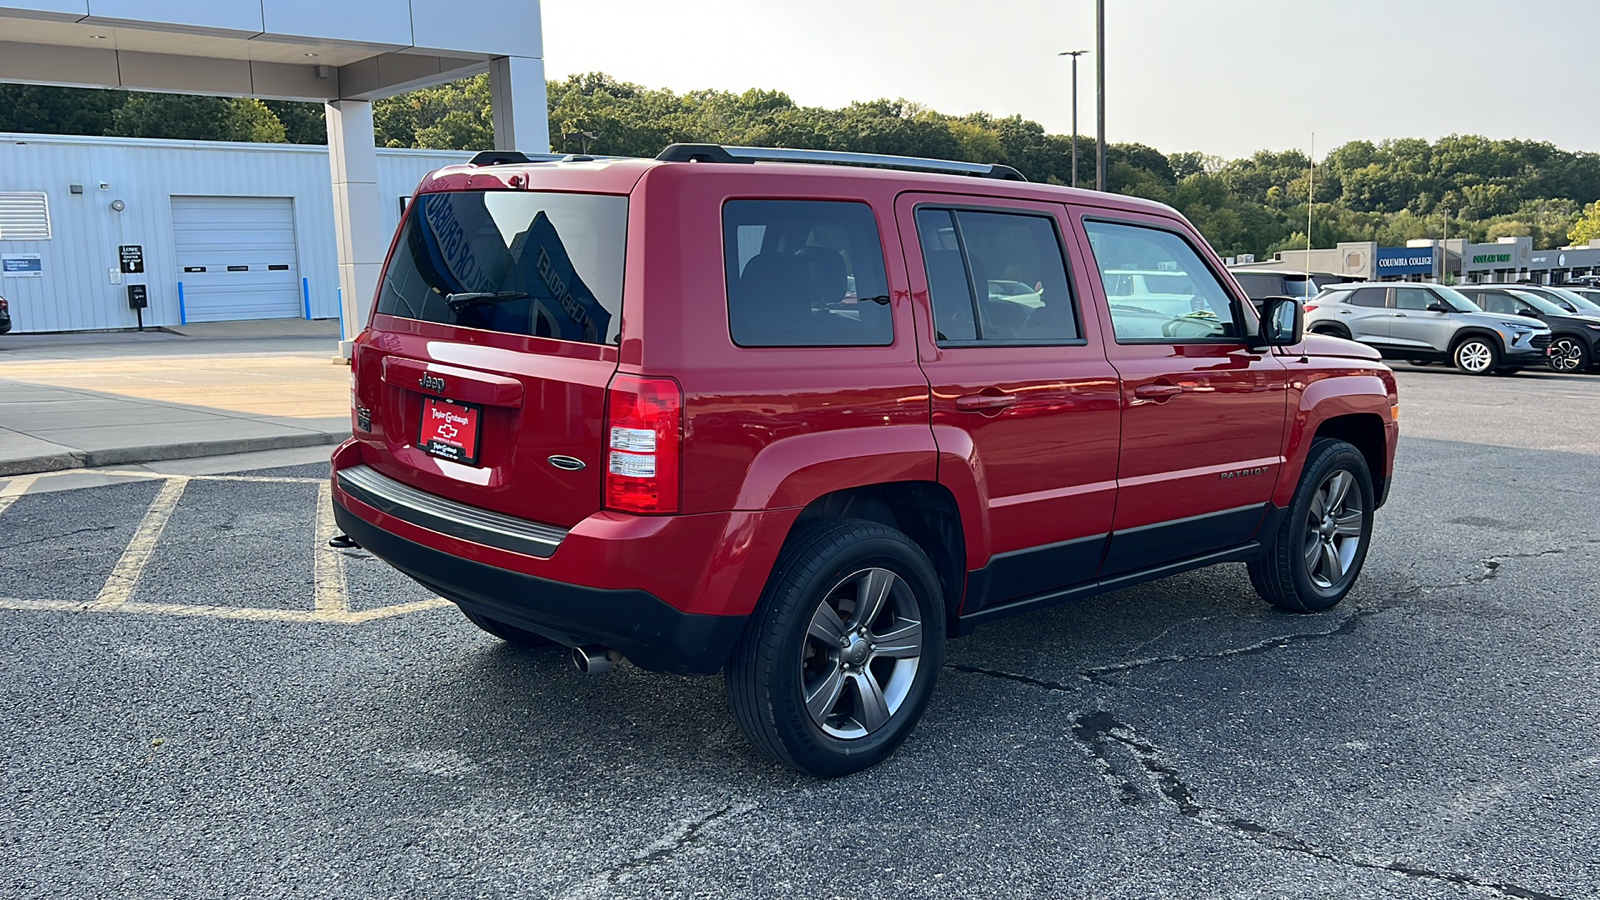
[539,264]
[1495,302]
[1376,297]
[1013,262]
[1413,298]
[1173,295]
[805,273]
[1259,286]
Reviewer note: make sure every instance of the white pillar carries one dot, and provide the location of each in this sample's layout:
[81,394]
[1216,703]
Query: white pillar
[521,113]
[357,211]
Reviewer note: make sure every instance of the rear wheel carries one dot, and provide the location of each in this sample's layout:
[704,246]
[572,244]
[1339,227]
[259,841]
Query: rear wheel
[511,634]
[840,658]
[1320,547]
[1568,354]
[1476,356]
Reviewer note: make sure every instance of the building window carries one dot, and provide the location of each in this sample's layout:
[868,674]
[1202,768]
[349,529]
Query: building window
[24,216]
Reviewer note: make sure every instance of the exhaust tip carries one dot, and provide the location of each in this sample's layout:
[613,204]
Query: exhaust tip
[593,660]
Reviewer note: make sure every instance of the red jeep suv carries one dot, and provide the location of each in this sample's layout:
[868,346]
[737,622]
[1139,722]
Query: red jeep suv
[730,409]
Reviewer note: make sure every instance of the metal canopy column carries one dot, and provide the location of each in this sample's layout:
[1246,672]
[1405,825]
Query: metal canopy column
[517,95]
[357,213]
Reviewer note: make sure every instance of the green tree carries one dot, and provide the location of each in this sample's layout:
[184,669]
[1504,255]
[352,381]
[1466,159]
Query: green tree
[187,117]
[1587,228]
[36,109]
[303,123]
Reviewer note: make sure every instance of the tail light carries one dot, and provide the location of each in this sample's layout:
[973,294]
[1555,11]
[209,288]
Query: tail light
[1310,307]
[644,428]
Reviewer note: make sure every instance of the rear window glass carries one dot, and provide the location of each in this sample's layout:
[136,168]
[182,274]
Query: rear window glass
[540,264]
[805,273]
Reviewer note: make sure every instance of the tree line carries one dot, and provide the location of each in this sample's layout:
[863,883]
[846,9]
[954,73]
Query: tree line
[1390,192]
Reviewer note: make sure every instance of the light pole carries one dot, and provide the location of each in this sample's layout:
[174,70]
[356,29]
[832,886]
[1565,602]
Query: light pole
[1074,54]
[1100,94]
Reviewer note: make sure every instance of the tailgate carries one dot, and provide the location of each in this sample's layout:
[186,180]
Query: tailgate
[484,372]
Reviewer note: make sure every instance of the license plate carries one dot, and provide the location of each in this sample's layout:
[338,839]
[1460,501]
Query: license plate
[450,430]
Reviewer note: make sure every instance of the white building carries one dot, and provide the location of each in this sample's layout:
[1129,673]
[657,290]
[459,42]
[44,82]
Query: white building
[224,231]
[345,53]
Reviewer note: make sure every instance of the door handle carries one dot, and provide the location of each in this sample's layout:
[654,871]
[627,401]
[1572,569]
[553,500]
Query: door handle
[1401,316]
[985,402]
[1157,391]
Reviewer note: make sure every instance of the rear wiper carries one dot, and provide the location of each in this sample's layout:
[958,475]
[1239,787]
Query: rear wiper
[459,301]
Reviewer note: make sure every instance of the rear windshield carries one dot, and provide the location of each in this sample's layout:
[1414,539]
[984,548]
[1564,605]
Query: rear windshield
[541,264]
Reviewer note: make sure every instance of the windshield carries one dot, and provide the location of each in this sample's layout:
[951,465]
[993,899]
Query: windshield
[1585,301]
[1539,303]
[1457,299]
[519,262]
[1584,304]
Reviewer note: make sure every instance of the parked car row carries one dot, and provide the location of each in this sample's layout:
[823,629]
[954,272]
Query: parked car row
[1480,329]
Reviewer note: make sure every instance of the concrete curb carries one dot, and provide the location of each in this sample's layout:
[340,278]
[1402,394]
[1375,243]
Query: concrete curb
[125,456]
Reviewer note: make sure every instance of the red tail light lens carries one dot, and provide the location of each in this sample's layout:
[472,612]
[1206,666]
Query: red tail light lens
[644,427]
[1310,307]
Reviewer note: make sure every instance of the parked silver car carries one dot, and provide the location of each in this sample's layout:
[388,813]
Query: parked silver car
[1424,323]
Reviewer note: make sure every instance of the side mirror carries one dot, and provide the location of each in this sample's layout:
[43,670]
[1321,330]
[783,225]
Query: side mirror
[1436,306]
[1529,313]
[1283,322]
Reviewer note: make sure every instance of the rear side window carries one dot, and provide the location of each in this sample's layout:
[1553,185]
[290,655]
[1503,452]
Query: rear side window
[805,273]
[1372,297]
[1158,288]
[540,264]
[996,277]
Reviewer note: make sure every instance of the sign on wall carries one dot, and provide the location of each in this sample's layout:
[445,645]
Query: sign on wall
[21,265]
[1404,261]
[132,258]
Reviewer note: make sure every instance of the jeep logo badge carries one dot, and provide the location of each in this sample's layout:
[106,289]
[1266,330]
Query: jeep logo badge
[432,383]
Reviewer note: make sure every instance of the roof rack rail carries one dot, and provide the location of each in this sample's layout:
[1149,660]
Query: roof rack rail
[499,157]
[720,154]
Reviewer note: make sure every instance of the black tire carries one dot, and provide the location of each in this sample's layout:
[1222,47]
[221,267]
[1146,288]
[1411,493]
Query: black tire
[1286,577]
[1476,355]
[1337,331]
[1569,354]
[834,562]
[511,634]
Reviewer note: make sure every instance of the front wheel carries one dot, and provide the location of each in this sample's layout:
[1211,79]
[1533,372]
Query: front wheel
[1321,545]
[1476,356]
[840,658]
[1568,354]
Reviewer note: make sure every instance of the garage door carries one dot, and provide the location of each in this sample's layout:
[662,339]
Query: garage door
[236,258]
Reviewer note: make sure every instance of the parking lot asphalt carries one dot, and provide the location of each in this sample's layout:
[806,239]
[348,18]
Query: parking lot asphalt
[199,699]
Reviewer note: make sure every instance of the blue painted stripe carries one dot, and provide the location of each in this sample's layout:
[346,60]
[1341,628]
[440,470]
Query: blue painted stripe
[305,291]
[183,315]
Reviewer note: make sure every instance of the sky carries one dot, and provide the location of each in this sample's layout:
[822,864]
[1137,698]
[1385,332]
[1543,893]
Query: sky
[1227,77]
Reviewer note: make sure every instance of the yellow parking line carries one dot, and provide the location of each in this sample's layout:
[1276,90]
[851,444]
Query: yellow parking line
[331,594]
[15,488]
[228,612]
[125,577]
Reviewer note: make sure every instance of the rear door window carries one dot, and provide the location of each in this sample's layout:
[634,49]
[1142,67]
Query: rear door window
[805,273]
[518,262]
[996,277]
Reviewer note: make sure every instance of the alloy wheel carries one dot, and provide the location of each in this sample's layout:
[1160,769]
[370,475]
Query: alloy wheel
[1475,357]
[862,649]
[1333,530]
[1566,355]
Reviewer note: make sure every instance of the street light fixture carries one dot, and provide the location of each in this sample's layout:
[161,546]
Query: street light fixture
[583,138]
[1074,54]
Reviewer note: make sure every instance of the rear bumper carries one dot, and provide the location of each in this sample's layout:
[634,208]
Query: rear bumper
[644,628]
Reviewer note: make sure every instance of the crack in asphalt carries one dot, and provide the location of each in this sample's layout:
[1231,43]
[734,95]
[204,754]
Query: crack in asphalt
[96,529]
[1345,627]
[687,835]
[1097,732]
